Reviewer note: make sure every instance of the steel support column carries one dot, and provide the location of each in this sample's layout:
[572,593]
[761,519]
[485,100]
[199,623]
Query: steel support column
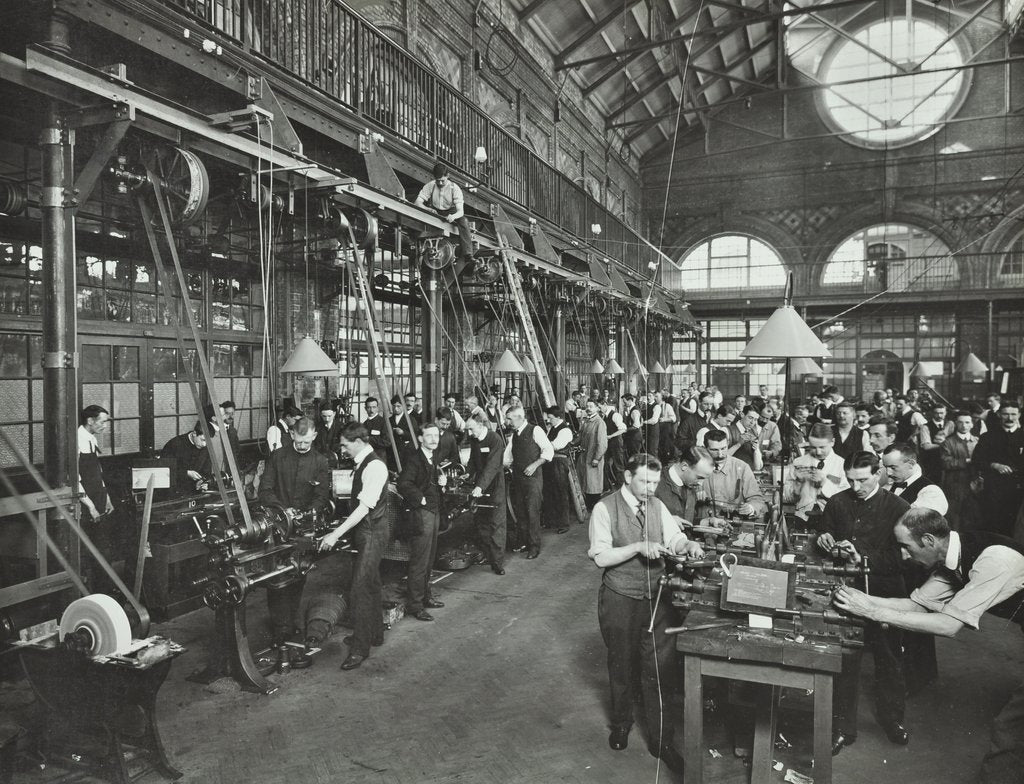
[432,342]
[558,360]
[60,409]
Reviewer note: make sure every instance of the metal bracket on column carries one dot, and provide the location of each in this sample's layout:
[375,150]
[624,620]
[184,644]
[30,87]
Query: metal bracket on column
[504,228]
[378,168]
[118,117]
[284,135]
[542,247]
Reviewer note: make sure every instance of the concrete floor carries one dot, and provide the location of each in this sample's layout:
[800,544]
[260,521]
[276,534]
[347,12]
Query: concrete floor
[509,685]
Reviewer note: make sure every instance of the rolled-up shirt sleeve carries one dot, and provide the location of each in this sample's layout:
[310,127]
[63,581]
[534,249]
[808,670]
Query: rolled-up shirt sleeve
[547,452]
[671,534]
[600,532]
[997,574]
[375,479]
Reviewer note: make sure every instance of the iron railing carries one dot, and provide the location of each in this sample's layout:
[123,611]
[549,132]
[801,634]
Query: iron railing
[330,47]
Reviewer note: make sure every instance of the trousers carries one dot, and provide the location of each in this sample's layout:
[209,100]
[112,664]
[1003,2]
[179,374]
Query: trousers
[527,497]
[422,554]
[465,233]
[886,646]
[624,622]
[491,529]
[366,595]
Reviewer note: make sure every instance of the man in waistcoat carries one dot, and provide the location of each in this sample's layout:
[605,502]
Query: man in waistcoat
[615,457]
[557,500]
[368,518]
[488,476]
[630,531]
[634,425]
[528,449]
[971,573]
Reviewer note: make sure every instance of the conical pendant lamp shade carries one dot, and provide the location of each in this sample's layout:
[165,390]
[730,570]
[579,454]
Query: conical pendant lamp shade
[972,366]
[597,368]
[658,367]
[642,370]
[308,359]
[785,334]
[528,366]
[507,363]
[924,370]
[802,366]
[614,368]
[690,368]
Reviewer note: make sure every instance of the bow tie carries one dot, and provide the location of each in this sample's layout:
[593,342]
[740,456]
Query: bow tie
[899,485]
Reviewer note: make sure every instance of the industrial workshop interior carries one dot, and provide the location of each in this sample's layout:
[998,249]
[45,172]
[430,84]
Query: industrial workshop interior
[511,391]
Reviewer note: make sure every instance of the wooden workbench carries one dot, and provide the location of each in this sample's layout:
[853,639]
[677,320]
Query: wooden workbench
[765,658]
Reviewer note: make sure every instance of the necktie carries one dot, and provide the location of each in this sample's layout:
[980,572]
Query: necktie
[899,485]
[641,514]
[821,464]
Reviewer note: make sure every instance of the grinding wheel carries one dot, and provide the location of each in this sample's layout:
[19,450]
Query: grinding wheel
[104,620]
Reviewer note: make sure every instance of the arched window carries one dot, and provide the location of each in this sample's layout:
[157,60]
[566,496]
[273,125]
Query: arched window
[926,86]
[732,261]
[1011,268]
[893,257]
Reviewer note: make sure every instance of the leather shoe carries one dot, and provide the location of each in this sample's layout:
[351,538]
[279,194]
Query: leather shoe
[497,569]
[841,739]
[423,615]
[353,661]
[897,733]
[672,758]
[619,738]
[351,639]
[433,604]
[532,554]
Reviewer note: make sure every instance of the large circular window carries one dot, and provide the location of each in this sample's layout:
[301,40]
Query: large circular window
[892,82]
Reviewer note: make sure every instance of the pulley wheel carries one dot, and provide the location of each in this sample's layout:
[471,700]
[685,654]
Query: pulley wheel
[186,185]
[364,227]
[487,270]
[438,255]
[103,619]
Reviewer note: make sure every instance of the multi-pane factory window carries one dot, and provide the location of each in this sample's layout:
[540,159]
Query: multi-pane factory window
[237,377]
[115,289]
[21,272]
[236,303]
[21,396]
